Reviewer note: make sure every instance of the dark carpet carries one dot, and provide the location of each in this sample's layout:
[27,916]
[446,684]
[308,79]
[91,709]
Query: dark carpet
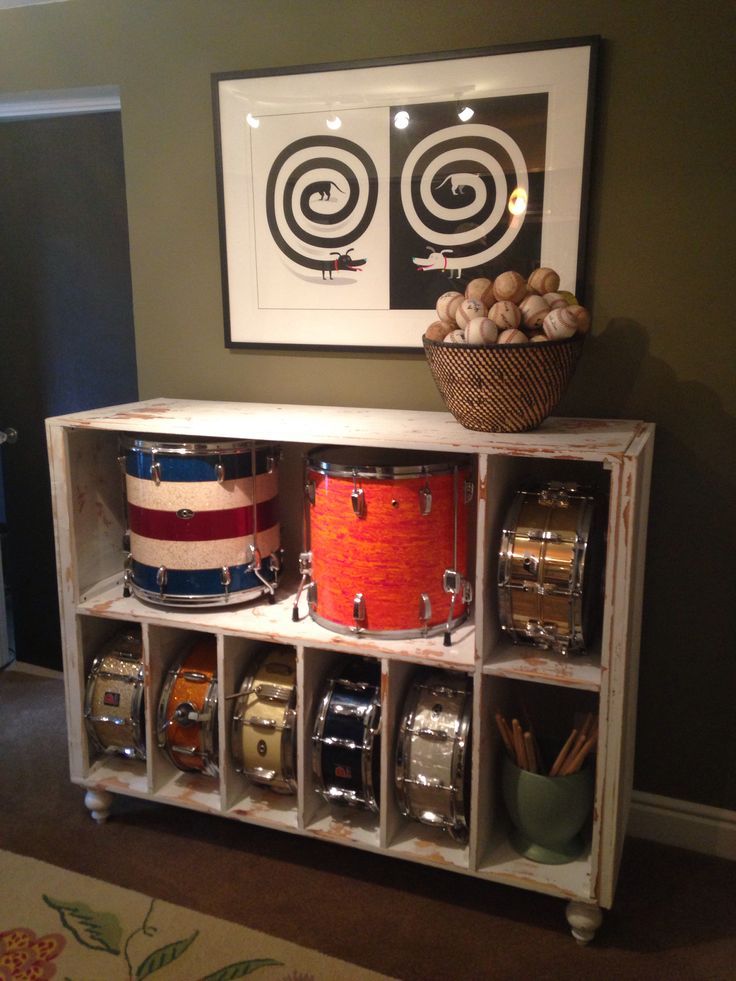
[674,916]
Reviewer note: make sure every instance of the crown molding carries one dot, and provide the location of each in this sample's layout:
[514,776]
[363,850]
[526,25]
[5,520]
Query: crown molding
[60,102]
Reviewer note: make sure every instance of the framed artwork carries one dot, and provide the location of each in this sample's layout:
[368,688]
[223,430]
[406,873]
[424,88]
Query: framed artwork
[351,196]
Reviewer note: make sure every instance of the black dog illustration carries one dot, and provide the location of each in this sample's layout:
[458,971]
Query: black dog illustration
[342,261]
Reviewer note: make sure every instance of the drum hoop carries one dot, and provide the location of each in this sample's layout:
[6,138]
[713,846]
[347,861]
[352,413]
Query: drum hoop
[384,472]
[213,599]
[366,756]
[194,447]
[342,628]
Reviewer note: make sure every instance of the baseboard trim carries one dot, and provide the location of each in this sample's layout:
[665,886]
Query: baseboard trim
[685,824]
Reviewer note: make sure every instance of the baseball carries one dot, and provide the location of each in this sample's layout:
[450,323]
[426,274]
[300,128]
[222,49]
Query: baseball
[468,310]
[438,331]
[480,289]
[505,315]
[456,336]
[534,309]
[512,337]
[555,300]
[559,324]
[444,303]
[510,286]
[481,330]
[582,318]
[538,335]
[544,280]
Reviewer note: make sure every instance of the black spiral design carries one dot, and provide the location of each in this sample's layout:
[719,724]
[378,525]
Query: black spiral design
[321,196]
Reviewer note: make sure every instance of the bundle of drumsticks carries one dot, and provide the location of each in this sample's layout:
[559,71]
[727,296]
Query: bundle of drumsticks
[523,748]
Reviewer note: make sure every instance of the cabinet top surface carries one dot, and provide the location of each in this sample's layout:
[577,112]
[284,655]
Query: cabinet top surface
[403,428]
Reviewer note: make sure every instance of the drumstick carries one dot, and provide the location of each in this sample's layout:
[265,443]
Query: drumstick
[556,766]
[519,745]
[530,752]
[503,728]
[575,762]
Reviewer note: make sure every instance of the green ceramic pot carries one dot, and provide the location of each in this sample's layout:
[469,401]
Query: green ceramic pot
[548,813]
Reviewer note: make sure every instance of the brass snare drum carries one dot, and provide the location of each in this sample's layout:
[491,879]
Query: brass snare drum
[550,564]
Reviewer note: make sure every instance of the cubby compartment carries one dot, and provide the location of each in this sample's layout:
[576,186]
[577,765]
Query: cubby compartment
[609,458]
[258,731]
[577,495]
[183,684]
[112,712]
[339,781]
[549,714]
[428,764]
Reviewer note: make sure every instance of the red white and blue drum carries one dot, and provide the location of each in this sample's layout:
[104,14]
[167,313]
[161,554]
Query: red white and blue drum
[387,540]
[203,521]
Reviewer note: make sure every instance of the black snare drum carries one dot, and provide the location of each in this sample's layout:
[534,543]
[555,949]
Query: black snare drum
[346,754]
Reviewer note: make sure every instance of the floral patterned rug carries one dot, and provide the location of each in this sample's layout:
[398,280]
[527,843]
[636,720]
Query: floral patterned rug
[59,924]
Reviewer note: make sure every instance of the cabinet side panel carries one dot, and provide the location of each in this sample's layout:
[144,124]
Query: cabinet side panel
[66,571]
[620,659]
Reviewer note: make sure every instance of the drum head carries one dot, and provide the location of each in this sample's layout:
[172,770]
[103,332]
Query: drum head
[172,445]
[377,463]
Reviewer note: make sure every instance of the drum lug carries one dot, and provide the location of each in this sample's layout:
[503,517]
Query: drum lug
[220,473]
[557,495]
[127,575]
[425,609]
[161,578]
[226,579]
[468,491]
[358,610]
[310,491]
[425,500]
[156,472]
[357,498]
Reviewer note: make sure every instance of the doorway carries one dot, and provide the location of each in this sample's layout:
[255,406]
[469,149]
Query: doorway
[66,332]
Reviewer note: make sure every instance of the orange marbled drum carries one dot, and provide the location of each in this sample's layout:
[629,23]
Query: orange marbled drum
[187,710]
[387,540]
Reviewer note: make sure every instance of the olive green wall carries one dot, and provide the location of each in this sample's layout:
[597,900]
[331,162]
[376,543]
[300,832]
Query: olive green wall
[661,265]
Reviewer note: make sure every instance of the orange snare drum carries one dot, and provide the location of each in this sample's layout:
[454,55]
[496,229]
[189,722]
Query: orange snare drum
[550,566]
[187,710]
[386,540]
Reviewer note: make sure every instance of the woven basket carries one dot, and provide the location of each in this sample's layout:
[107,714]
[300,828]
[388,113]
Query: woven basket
[504,388]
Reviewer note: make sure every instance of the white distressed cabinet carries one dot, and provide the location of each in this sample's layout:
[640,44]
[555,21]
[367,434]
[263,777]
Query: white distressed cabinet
[89,514]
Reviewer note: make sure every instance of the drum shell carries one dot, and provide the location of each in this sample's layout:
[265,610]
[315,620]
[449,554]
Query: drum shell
[349,713]
[187,521]
[192,745]
[114,698]
[394,554]
[550,560]
[432,777]
[265,753]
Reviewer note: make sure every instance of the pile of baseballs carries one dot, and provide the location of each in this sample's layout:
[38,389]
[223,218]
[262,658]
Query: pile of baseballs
[509,310]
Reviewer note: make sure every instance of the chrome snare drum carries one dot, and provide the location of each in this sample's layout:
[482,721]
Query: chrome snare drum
[114,703]
[264,721]
[203,520]
[432,775]
[345,742]
[550,568]
[187,710]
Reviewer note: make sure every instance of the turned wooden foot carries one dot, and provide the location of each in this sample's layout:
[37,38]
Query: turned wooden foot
[584,920]
[98,803]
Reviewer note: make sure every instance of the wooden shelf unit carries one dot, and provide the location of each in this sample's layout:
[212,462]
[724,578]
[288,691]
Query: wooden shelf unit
[89,516]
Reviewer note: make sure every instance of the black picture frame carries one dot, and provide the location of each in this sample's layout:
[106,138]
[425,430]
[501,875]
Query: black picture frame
[342,239]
